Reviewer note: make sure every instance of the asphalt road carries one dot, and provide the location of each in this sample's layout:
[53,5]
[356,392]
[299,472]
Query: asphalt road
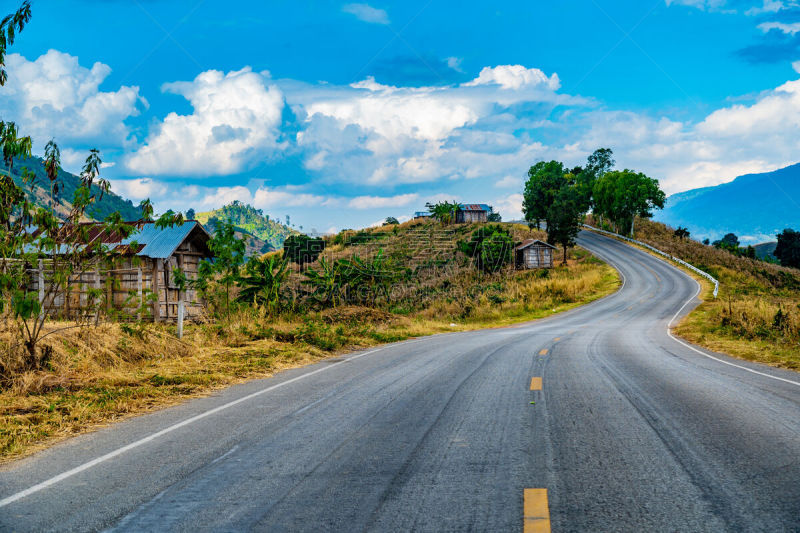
[632,431]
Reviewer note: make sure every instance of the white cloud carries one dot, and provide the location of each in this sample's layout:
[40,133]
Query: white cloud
[789,29]
[509,182]
[376,202]
[55,97]
[367,13]
[236,120]
[383,134]
[769,6]
[267,198]
[139,189]
[509,207]
[515,77]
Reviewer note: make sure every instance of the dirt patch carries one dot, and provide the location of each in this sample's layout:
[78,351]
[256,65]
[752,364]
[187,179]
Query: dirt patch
[353,314]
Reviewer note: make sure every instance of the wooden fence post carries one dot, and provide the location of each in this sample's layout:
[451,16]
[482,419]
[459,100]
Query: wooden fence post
[180,317]
[41,288]
[139,291]
[97,304]
[156,303]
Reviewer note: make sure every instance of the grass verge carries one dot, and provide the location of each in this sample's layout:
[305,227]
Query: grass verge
[103,374]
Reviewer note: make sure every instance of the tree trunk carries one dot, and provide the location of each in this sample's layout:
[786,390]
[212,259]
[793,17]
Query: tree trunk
[633,219]
[565,254]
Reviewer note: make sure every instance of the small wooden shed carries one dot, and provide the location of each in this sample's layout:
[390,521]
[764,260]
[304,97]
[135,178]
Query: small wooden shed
[470,213]
[533,253]
[144,264]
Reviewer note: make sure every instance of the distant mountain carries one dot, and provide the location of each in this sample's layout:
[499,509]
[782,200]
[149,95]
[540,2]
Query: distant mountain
[766,249]
[98,211]
[249,221]
[755,207]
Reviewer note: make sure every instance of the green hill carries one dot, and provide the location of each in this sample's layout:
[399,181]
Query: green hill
[250,221]
[108,204]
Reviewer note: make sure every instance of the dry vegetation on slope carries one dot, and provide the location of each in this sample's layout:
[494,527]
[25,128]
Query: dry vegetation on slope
[757,313]
[97,375]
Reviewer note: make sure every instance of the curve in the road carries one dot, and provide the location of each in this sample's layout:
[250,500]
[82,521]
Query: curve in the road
[632,431]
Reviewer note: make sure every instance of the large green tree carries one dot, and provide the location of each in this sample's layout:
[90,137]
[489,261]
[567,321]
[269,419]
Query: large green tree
[544,181]
[788,249]
[564,217]
[623,195]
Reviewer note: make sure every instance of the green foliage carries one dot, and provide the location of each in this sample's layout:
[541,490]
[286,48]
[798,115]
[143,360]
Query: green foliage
[681,233]
[247,219]
[190,214]
[302,249]
[788,249]
[224,269]
[729,242]
[544,181]
[494,217]
[564,217]
[10,26]
[355,280]
[490,247]
[262,281]
[621,196]
[444,211]
[390,221]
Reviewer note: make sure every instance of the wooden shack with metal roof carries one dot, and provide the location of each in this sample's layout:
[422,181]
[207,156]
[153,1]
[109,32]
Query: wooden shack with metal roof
[532,254]
[141,282]
[470,213]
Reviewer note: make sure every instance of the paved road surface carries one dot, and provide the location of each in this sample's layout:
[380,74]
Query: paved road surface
[632,431]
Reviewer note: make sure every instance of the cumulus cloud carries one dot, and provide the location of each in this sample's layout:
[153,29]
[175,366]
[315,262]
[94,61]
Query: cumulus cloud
[367,13]
[55,97]
[515,77]
[236,120]
[385,134]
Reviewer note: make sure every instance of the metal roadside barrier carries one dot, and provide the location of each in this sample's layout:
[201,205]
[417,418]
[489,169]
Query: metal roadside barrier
[693,268]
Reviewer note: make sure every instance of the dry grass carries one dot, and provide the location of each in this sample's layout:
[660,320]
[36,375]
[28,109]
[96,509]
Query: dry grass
[757,313]
[99,375]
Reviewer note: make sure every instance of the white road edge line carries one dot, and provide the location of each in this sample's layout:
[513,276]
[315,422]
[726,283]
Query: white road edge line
[669,332]
[119,451]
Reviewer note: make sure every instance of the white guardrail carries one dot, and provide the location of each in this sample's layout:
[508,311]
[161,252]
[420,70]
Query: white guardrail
[693,268]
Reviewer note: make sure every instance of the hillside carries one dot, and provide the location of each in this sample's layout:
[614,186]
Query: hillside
[108,204]
[265,234]
[755,207]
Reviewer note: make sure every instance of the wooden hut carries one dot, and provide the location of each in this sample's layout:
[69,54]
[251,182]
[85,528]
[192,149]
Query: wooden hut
[533,253]
[469,213]
[145,264]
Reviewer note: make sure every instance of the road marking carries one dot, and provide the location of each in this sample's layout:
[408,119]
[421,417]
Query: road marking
[557,339]
[119,451]
[543,352]
[535,511]
[536,383]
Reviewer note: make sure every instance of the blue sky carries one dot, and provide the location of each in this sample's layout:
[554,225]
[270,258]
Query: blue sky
[340,114]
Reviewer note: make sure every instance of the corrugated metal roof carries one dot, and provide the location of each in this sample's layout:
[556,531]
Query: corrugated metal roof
[161,243]
[530,242]
[474,207]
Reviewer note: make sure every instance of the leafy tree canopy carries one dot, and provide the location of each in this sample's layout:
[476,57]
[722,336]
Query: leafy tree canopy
[788,249]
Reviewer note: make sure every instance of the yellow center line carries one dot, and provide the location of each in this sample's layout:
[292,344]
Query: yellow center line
[557,339]
[536,383]
[543,352]
[536,514]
